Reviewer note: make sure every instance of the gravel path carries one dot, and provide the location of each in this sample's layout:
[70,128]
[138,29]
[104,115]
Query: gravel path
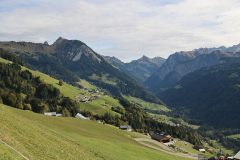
[166,149]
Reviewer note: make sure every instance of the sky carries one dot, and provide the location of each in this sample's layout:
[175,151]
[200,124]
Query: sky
[126,29]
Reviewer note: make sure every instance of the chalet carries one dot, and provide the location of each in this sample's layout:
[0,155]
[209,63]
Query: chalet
[9,63]
[160,138]
[78,115]
[50,113]
[126,128]
[202,150]
[104,104]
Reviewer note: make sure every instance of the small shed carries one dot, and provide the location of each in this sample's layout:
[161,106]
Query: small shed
[126,128]
[50,113]
[160,138]
[59,115]
[78,115]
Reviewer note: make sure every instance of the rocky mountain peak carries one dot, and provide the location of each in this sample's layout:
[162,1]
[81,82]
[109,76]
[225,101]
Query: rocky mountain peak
[46,43]
[144,58]
[59,39]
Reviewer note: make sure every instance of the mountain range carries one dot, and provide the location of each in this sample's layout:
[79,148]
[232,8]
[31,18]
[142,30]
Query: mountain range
[181,63]
[71,59]
[141,69]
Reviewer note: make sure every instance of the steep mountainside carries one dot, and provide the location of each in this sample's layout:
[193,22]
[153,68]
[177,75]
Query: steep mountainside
[210,94]
[170,64]
[174,69]
[74,56]
[142,68]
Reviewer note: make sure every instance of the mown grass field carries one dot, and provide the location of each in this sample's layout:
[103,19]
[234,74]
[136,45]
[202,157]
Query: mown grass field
[96,106]
[144,104]
[44,137]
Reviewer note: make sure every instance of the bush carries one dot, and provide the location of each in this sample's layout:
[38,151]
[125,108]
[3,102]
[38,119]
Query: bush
[61,82]
[19,105]
[27,107]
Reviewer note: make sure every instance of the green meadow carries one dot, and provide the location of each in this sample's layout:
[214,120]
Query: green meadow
[189,148]
[143,104]
[220,147]
[44,137]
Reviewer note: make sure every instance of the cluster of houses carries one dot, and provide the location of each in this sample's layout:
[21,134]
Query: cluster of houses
[82,97]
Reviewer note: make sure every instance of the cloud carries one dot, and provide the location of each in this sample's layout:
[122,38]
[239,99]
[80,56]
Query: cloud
[124,29]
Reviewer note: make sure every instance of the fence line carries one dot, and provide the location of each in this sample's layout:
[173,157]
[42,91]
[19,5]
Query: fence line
[14,150]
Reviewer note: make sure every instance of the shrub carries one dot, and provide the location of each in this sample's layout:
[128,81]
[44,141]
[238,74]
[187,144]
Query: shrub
[27,107]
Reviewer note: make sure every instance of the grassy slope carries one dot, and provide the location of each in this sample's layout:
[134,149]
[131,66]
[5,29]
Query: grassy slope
[37,136]
[7,153]
[96,106]
[190,149]
[146,104]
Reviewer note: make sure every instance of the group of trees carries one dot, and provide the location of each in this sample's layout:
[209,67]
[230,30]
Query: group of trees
[22,90]
[11,57]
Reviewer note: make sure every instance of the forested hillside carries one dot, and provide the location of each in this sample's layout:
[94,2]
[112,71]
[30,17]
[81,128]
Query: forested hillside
[210,94]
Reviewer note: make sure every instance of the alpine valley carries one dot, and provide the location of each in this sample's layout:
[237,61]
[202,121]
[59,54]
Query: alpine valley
[191,95]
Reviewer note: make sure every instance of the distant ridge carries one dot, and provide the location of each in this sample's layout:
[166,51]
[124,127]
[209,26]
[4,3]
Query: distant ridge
[234,48]
[141,68]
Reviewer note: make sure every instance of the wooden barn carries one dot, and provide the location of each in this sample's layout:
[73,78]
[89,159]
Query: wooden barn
[160,138]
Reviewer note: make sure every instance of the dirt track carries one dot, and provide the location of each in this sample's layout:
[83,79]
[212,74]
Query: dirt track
[165,148]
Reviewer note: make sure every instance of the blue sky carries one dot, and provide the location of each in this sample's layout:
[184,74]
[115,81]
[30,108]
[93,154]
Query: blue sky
[126,29]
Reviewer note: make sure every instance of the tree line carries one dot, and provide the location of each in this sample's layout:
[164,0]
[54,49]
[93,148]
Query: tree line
[20,89]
